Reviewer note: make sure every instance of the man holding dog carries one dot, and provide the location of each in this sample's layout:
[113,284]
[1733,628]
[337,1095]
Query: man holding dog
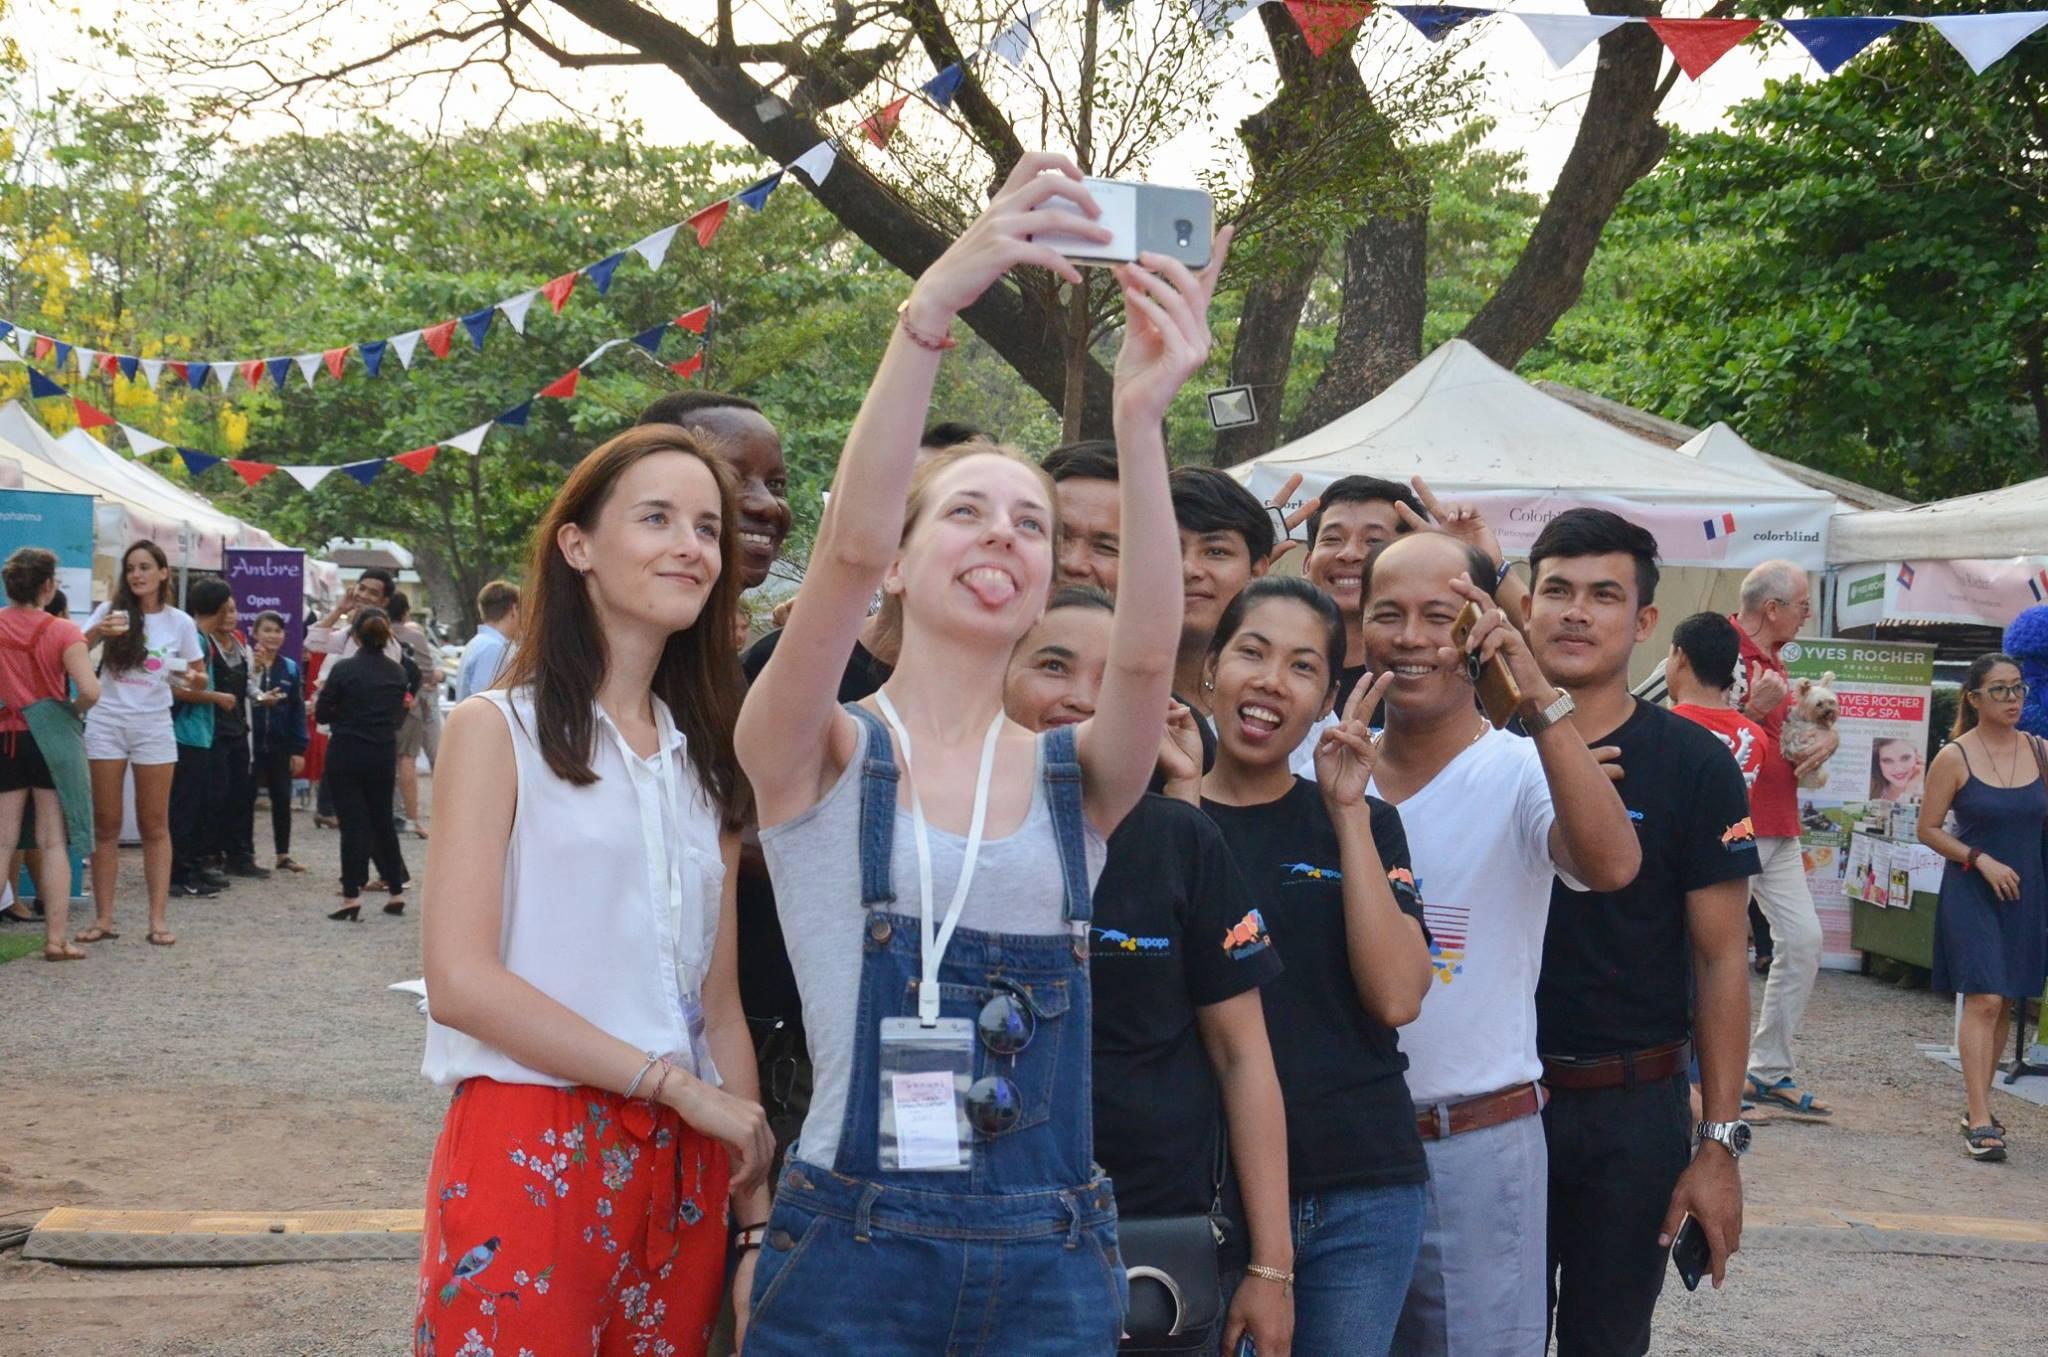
[1776,603]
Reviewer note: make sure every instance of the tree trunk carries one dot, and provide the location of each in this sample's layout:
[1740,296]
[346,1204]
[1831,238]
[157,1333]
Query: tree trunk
[1379,329]
[1261,356]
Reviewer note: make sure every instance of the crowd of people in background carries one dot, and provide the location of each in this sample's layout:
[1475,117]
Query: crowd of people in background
[988,929]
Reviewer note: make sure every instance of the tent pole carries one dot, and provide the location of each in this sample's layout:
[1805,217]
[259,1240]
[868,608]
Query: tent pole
[1829,581]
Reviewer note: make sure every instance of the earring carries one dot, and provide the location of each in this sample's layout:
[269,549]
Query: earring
[1208,685]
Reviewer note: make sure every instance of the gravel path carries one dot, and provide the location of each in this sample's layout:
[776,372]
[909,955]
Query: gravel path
[262,1064]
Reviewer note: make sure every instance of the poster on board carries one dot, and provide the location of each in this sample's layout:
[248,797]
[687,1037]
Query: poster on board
[1886,690]
[58,522]
[270,581]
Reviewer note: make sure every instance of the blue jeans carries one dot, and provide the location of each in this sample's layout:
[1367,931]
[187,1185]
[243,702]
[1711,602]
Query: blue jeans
[1354,1253]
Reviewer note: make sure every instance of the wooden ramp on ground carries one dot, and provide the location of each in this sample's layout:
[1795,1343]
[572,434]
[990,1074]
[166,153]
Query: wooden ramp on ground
[79,1235]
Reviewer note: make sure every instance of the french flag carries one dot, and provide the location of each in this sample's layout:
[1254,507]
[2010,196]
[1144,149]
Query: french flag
[2039,584]
[1722,527]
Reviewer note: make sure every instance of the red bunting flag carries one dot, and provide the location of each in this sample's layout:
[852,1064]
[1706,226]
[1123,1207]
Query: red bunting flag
[336,360]
[695,321]
[250,472]
[439,337]
[418,460]
[45,346]
[176,369]
[1696,44]
[690,366]
[563,386]
[110,364]
[557,290]
[91,416]
[252,372]
[1325,23]
[707,222]
[879,127]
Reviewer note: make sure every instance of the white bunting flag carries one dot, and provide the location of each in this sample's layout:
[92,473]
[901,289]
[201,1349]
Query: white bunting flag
[770,108]
[652,248]
[1217,16]
[152,368]
[141,444]
[87,358]
[1013,42]
[1984,38]
[601,350]
[404,344]
[816,163]
[1564,36]
[8,355]
[224,373]
[309,363]
[471,442]
[309,476]
[515,309]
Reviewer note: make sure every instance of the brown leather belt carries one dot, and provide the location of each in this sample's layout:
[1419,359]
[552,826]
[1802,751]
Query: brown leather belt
[1476,1114]
[1626,1070]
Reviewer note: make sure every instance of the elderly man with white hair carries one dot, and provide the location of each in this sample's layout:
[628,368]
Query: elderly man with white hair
[1776,603]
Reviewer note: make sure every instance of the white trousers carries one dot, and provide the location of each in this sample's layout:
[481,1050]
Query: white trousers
[1780,891]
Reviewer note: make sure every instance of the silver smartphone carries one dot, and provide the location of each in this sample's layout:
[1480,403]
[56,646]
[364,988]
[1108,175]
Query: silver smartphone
[1177,222]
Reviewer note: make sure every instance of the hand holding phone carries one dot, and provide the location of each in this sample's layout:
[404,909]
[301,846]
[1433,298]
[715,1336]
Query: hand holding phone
[1690,1254]
[1176,222]
[1499,694]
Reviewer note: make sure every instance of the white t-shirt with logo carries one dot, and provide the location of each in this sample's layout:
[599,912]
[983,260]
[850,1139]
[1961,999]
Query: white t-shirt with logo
[1479,838]
[171,641]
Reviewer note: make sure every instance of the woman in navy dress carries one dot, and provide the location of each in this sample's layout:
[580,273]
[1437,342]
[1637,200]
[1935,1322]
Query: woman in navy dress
[1991,932]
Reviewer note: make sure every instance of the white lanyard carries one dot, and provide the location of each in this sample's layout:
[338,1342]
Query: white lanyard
[934,947]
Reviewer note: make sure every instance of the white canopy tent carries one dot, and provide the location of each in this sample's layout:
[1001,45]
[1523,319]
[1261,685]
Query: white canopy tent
[235,532]
[1996,523]
[1973,561]
[118,518]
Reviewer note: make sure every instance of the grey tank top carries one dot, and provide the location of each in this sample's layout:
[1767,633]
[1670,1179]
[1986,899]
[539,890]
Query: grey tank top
[814,861]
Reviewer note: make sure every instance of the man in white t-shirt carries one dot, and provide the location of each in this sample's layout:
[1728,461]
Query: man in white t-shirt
[1491,819]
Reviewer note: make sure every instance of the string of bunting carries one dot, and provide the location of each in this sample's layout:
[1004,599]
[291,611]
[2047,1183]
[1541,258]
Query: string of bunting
[471,441]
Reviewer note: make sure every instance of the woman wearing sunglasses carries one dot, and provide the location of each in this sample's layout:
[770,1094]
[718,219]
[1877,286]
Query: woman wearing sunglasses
[1991,927]
[933,860]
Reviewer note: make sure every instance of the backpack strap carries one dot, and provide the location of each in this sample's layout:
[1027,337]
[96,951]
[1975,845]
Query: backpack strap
[1069,823]
[878,777]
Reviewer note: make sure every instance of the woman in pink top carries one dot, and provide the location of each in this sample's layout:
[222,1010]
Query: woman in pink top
[40,658]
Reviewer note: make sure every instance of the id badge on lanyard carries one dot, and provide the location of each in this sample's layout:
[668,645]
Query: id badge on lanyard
[926,1063]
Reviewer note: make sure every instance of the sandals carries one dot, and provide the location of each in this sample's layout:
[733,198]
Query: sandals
[287,863]
[1986,1145]
[1782,1094]
[63,951]
[97,933]
[159,937]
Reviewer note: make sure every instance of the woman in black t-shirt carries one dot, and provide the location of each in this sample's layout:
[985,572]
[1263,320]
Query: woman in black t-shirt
[1328,868]
[363,701]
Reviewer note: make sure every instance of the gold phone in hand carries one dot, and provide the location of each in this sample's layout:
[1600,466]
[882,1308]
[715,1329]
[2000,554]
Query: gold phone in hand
[1499,695]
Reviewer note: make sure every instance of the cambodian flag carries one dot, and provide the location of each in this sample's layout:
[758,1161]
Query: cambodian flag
[1906,575]
[1723,527]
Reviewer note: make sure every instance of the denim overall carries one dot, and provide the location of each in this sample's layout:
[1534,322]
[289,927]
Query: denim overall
[1015,1257]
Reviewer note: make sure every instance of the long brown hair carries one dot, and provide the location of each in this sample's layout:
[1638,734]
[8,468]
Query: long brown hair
[1980,669]
[561,653]
[131,648]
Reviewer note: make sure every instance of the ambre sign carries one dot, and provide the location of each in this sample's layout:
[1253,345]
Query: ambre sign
[270,581]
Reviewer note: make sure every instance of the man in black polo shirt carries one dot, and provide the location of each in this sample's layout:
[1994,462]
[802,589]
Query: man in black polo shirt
[1614,1006]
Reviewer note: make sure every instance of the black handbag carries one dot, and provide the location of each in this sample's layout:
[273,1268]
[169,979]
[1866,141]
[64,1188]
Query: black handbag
[1176,1275]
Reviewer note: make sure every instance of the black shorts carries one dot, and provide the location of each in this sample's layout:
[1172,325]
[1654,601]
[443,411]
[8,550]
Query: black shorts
[21,763]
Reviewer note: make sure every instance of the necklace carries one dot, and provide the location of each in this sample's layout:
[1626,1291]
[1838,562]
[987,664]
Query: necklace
[1992,755]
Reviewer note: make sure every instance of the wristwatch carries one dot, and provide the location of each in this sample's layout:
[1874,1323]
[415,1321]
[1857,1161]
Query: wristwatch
[1732,1136]
[1550,715]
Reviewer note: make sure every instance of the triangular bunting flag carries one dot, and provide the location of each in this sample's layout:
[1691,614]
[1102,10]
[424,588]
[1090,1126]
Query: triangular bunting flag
[197,462]
[478,323]
[309,366]
[695,321]
[650,338]
[309,476]
[690,366]
[880,125]
[224,375]
[6,328]
[280,368]
[1013,42]
[516,417]
[110,363]
[816,163]
[142,444]
[1564,36]
[1984,38]
[418,460]
[1434,21]
[43,347]
[439,338]
[252,372]
[600,351]
[180,372]
[373,354]
[515,309]
[1831,42]
[600,273]
[557,291]
[88,359]
[250,472]
[654,248]
[1696,44]
[755,195]
[941,88]
[63,355]
[404,345]
[90,416]
[707,222]
[1218,15]
[8,355]
[152,368]
[41,387]
[471,442]
[1325,23]
[336,360]
[196,375]
[563,386]
[363,472]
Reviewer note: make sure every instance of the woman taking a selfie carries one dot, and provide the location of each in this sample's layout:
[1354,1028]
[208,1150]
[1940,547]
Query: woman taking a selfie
[146,646]
[1991,926]
[579,937]
[933,860]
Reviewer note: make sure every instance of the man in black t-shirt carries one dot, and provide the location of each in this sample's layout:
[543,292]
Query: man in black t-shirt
[1614,1008]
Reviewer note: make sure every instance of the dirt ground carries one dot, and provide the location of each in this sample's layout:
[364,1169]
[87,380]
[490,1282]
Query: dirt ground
[262,1065]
